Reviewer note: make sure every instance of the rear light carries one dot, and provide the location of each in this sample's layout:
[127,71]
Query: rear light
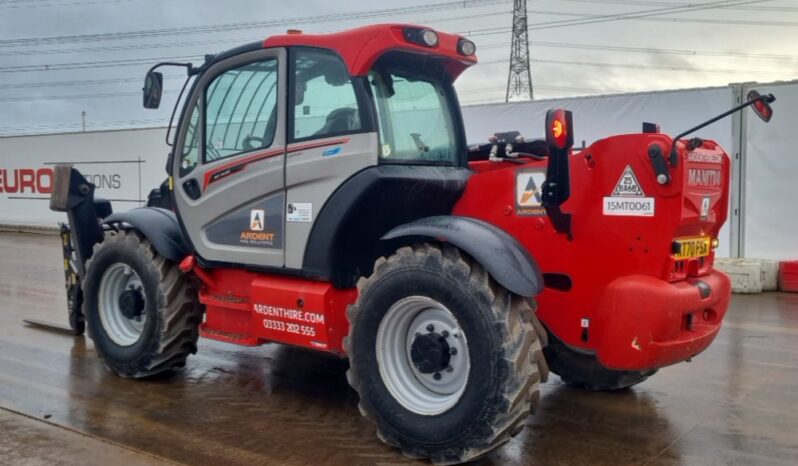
[714,243]
[466,47]
[422,37]
[559,129]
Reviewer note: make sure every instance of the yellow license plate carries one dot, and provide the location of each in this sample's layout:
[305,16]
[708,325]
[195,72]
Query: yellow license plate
[693,247]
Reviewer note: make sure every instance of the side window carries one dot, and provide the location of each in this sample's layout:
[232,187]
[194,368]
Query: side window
[324,98]
[190,155]
[415,118]
[241,110]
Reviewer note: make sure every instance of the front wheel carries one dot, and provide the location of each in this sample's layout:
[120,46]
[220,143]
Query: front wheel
[142,312]
[446,361]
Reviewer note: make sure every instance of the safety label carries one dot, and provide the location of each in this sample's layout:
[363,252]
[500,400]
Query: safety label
[299,212]
[705,208]
[529,192]
[628,184]
[628,198]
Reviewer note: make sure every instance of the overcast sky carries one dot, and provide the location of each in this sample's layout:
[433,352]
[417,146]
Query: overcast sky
[61,57]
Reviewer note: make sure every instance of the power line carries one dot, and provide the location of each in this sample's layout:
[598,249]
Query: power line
[32,4]
[642,14]
[201,42]
[94,64]
[194,30]
[612,48]
[647,67]
[45,98]
[87,82]
[656,3]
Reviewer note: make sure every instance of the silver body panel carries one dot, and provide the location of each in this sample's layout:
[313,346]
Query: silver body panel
[311,177]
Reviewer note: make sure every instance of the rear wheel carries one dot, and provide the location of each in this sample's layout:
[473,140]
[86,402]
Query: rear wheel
[584,371]
[142,312]
[447,362]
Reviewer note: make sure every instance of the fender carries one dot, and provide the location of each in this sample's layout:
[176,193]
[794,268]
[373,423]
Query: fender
[159,226]
[503,257]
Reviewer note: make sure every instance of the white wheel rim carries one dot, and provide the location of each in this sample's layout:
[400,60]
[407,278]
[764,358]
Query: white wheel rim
[422,393]
[120,329]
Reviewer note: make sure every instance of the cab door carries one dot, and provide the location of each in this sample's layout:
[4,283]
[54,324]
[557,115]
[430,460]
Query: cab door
[331,136]
[229,161]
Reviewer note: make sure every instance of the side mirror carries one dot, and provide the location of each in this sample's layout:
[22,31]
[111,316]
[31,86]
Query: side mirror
[761,105]
[153,87]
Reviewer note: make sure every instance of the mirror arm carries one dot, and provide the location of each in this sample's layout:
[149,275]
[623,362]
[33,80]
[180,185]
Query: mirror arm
[673,155]
[188,66]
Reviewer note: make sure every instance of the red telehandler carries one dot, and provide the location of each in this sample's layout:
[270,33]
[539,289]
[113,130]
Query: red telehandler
[321,194]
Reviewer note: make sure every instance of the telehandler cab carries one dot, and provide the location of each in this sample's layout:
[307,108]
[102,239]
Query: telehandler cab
[321,194]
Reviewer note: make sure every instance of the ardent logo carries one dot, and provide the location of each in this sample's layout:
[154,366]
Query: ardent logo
[528,194]
[256,219]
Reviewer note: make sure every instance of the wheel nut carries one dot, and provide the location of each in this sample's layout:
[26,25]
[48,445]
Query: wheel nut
[445,334]
[449,369]
[430,328]
[452,351]
[437,376]
[416,334]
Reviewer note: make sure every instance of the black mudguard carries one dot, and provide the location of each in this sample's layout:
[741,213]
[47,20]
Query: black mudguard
[159,226]
[503,257]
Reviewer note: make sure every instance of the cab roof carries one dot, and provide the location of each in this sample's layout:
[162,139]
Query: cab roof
[361,47]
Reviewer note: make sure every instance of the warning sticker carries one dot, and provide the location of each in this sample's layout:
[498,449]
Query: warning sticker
[628,184]
[705,208]
[528,193]
[299,212]
[628,198]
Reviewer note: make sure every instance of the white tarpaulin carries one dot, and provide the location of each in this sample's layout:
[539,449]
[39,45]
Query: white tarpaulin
[124,165]
[771,168]
[601,116]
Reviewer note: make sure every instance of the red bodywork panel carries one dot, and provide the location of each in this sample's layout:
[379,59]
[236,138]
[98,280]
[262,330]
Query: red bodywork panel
[361,47]
[623,280]
[250,309]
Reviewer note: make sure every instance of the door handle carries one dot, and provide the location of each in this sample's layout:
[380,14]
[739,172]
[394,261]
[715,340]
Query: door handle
[192,189]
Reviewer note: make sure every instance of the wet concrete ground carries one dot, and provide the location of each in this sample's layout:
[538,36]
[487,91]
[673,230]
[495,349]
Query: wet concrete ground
[735,404]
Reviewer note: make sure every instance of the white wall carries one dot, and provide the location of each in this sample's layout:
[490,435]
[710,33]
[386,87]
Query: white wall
[770,212]
[124,165]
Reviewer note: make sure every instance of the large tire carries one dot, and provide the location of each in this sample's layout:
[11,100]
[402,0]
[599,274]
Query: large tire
[166,326]
[584,371]
[505,359]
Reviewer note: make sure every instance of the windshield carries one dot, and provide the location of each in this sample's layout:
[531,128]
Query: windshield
[415,118]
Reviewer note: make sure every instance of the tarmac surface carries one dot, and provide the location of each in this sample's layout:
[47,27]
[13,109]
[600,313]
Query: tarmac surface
[737,403]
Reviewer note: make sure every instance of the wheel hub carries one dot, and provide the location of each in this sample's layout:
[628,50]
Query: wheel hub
[131,303]
[422,354]
[121,302]
[430,353]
